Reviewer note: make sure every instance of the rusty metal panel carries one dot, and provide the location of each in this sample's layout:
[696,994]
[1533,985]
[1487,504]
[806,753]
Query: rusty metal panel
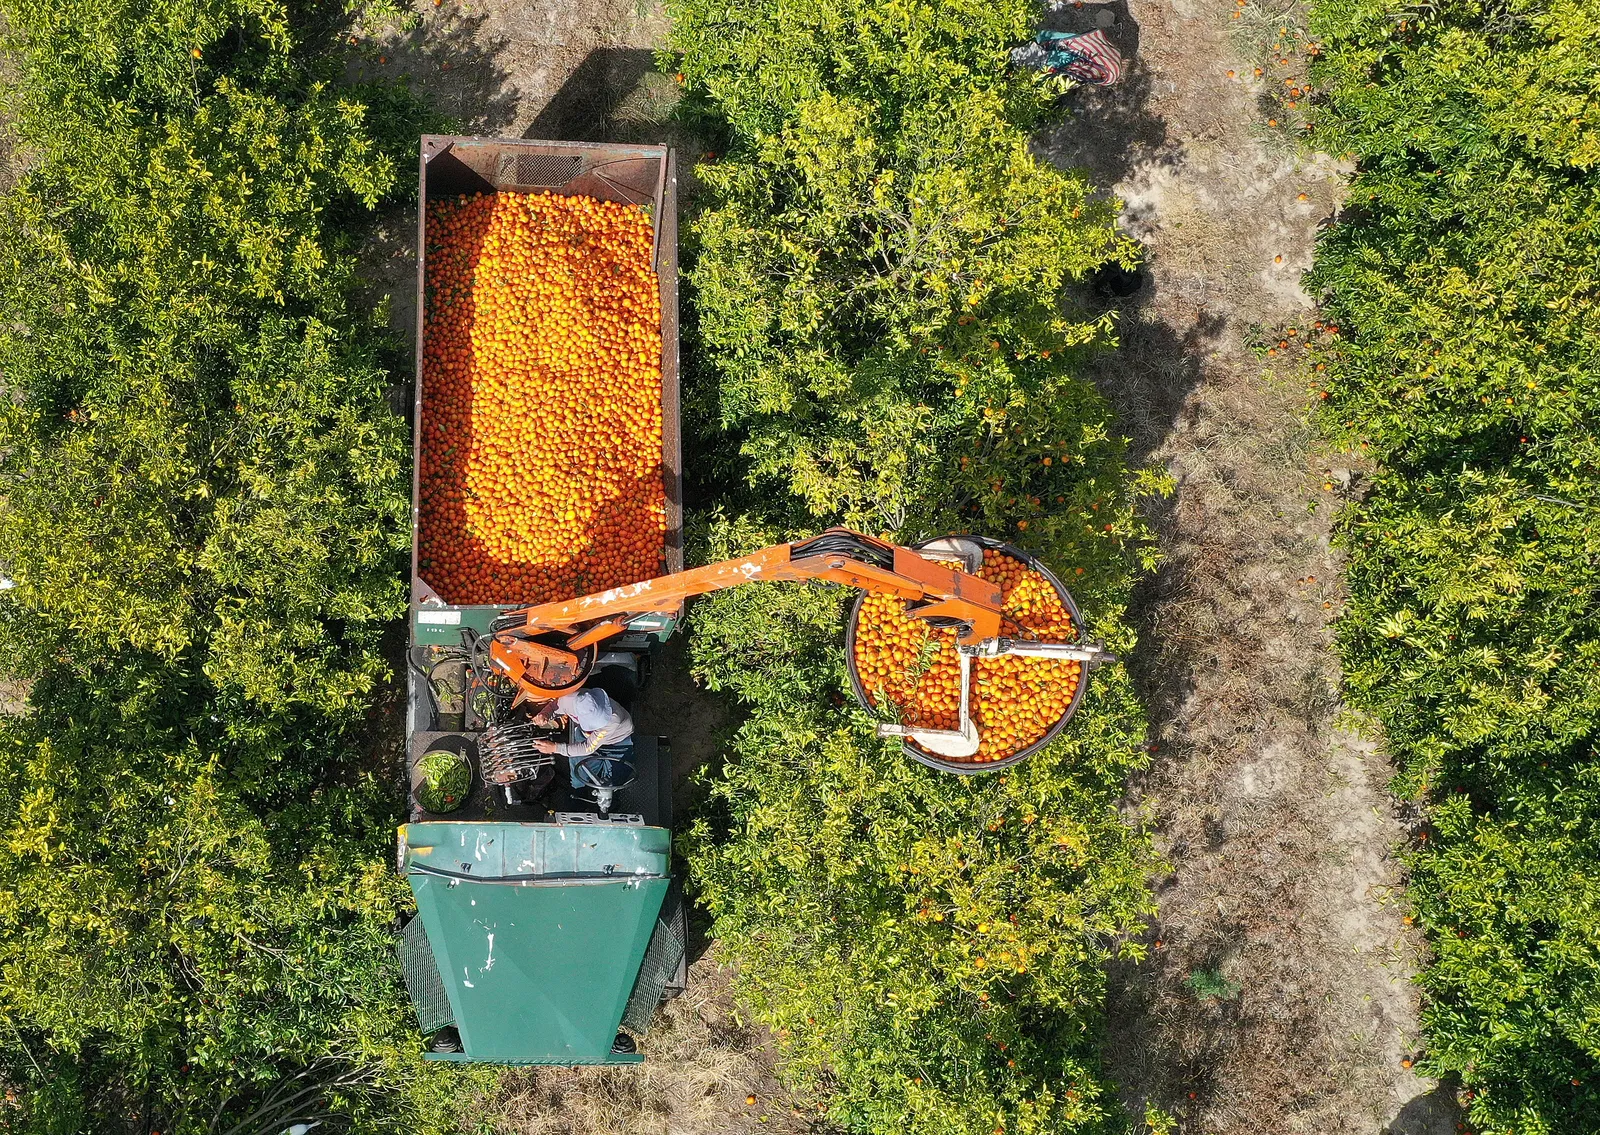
[671,432]
[629,174]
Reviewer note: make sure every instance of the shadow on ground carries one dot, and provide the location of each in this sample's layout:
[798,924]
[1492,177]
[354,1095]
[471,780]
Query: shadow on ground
[452,61]
[599,99]
[1433,1113]
[1278,826]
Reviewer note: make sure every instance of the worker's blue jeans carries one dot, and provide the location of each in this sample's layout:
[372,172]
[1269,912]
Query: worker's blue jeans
[613,764]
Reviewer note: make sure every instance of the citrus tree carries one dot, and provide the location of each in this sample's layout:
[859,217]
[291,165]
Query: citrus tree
[1460,278]
[204,517]
[880,292]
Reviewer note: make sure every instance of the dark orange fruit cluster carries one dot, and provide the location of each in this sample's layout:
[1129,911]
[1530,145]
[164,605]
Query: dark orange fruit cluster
[541,456]
[1014,701]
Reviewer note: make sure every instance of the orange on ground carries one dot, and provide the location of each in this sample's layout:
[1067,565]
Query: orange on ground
[1014,701]
[541,455]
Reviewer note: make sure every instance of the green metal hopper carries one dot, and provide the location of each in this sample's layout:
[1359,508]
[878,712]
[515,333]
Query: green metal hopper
[531,940]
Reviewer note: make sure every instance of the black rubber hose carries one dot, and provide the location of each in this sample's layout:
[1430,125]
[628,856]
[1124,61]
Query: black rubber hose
[848,546]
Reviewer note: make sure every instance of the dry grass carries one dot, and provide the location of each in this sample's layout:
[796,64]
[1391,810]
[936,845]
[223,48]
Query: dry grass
[1276,820]
[702,1064]
[11,165]
[14,697]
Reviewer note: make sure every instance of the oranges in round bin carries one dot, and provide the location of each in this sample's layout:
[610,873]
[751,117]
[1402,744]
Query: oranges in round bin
[913,668]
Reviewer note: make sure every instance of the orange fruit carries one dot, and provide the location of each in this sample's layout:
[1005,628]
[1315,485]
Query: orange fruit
[1014,701]
[541,456]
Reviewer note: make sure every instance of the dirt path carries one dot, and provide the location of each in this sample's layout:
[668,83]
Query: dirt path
[530,68]
[1277,998]
[705,1065]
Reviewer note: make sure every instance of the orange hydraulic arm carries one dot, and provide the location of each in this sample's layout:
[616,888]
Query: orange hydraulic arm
[527,646]
[838,555]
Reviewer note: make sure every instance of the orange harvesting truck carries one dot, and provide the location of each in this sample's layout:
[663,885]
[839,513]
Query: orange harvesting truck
[547,564]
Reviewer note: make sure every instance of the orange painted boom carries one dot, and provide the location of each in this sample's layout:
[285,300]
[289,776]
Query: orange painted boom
[838,555]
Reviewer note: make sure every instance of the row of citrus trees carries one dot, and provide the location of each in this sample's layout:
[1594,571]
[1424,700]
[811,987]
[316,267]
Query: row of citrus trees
[203,509]
[877,284]
[1465,277]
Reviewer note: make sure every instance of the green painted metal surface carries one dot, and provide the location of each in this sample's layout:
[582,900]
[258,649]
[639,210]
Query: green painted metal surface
[538,930]
[441,626]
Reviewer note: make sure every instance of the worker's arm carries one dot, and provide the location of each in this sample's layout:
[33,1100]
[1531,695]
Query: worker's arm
[594,720]
[546,714]
[613,732]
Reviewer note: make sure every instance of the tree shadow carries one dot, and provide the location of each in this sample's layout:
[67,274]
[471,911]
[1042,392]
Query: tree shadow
[1110,134]
[617,95]
[699,723]
[601,100]
[1108,131]
[1113,17]
[1435,1112]
[1184,1079]
[453,70]
[1148,380]
[452,65]
[1160,1046]
[1162,1043]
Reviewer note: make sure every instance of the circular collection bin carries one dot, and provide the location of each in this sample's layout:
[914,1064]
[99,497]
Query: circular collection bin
[967,767]
[441,750]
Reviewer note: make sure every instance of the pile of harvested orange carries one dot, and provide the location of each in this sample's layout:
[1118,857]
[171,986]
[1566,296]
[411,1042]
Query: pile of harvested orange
[541,459]
[1014,701]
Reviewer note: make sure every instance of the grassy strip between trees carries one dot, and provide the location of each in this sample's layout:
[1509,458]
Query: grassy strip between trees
[877,285]
[205,513]
[1464,277]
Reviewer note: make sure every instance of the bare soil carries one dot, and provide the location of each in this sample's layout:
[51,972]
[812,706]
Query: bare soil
[575,69]
[1277,995]
[703,1066]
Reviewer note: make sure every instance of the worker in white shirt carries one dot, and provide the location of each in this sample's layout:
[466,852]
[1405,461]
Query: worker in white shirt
[597,727]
